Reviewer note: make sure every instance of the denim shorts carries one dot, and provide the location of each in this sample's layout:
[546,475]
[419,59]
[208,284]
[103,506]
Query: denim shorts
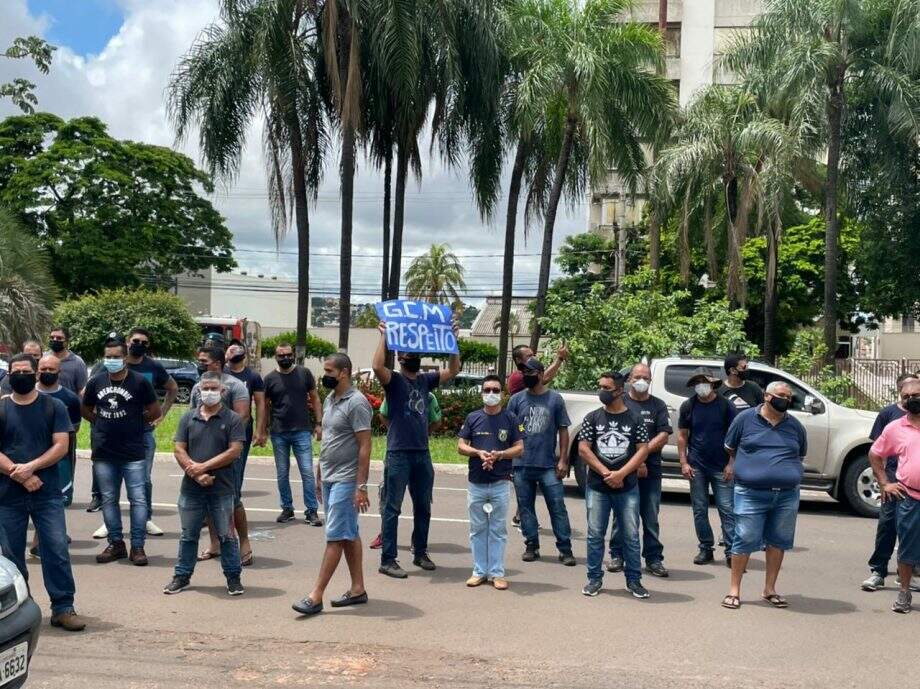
[764,517]
[341,513]
[909,531]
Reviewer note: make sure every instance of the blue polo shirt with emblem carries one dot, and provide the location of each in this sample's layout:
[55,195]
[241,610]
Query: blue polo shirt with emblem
[767,456]
[490,432]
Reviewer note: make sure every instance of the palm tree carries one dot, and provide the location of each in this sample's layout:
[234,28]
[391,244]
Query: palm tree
[513,328]
[818,54]
[436,276]
[27,290]
[259,59]
[590,73]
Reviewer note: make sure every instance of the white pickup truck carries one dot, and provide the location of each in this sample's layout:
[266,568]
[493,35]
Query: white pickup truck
[838,438]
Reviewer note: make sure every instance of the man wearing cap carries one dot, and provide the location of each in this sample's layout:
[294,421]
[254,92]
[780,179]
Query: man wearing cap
[520,354]
[703,421]
[544,424]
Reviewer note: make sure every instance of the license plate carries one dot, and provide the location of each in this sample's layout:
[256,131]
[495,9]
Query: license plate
[14,662]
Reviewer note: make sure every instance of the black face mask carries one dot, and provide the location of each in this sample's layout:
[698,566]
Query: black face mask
[238,359]
[56,345]
[743,375]
[607,396]
[531,382]
[285,362]
[780,404]
[411,364]
[329,382]
[520,367]
[137,349]
[913,405]
[202,369]
[48,379]
[22,383]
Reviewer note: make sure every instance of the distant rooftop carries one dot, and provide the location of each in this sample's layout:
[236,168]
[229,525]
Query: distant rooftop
[484,325]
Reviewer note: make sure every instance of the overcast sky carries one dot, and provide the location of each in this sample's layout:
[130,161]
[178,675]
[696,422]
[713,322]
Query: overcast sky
[114,61]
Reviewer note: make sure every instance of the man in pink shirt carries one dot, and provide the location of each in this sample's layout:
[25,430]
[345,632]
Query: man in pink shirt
[901,438]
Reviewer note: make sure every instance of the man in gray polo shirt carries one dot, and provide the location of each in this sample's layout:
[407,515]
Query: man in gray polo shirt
[341,480]
[209,440]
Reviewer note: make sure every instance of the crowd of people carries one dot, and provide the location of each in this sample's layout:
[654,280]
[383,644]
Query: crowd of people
[733,438]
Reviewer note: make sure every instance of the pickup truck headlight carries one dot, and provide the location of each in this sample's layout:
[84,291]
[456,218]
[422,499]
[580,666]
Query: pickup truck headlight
[19,582]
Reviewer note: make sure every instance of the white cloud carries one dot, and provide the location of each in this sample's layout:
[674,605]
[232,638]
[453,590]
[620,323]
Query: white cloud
[124,86]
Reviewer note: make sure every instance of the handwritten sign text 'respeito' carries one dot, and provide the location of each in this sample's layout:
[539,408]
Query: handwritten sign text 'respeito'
[417,326]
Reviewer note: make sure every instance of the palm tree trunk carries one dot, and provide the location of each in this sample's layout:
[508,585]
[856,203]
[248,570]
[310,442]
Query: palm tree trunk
[302,222]
[709,238]
[387,185]
[742,222]
[654,242]
[545,258]
[684,242]
[348,187]
[769,301]
[835,106]
[402,172]
[514,192]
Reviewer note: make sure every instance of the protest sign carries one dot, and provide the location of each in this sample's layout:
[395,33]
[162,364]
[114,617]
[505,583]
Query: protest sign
[417,326]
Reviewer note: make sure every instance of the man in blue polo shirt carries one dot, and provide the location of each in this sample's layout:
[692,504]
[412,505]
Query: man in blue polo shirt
[766,445]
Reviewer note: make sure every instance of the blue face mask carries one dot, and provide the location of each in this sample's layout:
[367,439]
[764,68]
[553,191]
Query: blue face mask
[113,365]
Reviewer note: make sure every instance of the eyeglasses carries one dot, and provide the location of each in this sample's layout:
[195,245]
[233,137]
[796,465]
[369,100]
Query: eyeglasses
[492,390]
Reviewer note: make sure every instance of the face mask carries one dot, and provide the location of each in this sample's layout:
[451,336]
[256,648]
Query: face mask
[113,365]
[913,405]
[743,375]
[640,385]
[329,382]
[520,367]
[22,383]
[285,362]
[56,345]
[210,397]
[137,349]
[202,369]
[531,382]
[702,389]
[491,399]
[607,397]
[412,365]
[48,379]
[780,404]
[238,359]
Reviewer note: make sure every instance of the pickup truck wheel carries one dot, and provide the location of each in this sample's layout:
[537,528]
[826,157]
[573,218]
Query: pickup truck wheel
[184,394]
[860,490]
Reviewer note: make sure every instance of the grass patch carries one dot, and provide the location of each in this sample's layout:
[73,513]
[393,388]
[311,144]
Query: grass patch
[443,449]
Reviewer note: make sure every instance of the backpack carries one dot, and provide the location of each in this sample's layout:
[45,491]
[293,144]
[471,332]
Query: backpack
[48,403]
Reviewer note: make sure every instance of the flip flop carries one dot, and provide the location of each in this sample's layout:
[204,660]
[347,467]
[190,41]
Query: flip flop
[246,560]
[731,602]
[776,600]
[207,555]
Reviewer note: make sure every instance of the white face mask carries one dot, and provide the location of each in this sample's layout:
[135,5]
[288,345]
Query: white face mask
[640,385]
[491,399]
[702,389]
[210,397]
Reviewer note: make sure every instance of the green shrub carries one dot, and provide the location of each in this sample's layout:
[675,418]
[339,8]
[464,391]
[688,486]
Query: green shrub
[317,347]
[806,361]
[473,352]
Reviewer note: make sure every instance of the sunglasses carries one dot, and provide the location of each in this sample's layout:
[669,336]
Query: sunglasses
[491,389]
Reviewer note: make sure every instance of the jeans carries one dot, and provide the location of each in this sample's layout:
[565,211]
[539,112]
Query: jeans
[239,469]
[109,475]
[625,507]
[150,450]
[488,532]
[526,480]
[410,469]
[193,508]
[649,505]
[47,512]
[301,442]
[699,498]
[886,535]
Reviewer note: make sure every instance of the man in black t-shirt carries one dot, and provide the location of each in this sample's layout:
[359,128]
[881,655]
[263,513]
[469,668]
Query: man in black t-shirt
[737,389]
[290,394]
[613,442]
[491,439]
[119,404]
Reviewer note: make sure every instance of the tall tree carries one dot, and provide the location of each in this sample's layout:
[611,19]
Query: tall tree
[654,222]
[436,276]
[21,91]
[593,71]
[820,52]
[259,60]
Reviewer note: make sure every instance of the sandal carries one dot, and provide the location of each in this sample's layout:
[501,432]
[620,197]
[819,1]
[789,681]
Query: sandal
[776,600]
[731,602]
[207,555]
[246,560]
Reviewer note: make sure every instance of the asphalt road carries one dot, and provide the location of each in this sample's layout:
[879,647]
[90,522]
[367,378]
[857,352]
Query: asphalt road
[431,631]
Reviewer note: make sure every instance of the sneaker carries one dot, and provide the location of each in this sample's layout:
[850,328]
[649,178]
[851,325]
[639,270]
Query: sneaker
[873,583]
[95,504]
[138,557]
[312,518]
[153,529]
[101,532]
[286,515]
[235,587]
[475,581]
[903,602]
[704,557]
[68,621]
[567,559]
[33,551]
[615,564]
[637,589]
[531,553]
[113,551]
[177,585]
[592,588]
[377,543]
[392,569]
[657,569]
[424,562]
[516,519]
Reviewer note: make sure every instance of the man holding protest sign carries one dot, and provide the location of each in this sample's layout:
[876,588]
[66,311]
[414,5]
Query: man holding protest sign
[410,328]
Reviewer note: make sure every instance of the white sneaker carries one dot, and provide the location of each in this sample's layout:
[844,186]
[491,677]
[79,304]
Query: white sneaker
[153,529]
[101,532]
[874,582]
